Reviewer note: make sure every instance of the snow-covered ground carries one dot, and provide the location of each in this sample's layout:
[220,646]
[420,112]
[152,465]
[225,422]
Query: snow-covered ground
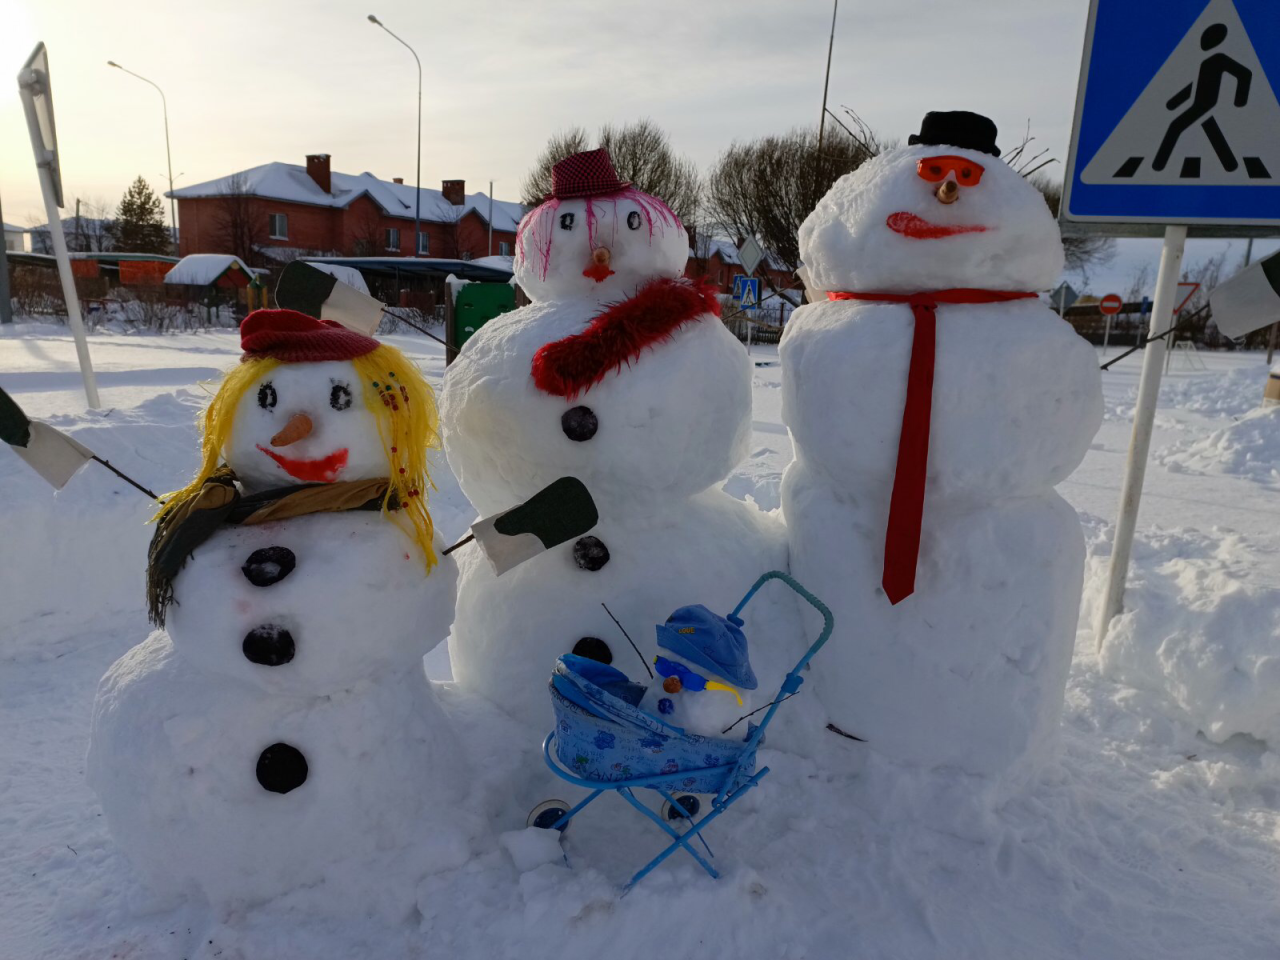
[1157,834]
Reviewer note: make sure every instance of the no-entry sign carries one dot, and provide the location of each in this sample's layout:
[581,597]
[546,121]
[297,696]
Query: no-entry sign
[1110,304]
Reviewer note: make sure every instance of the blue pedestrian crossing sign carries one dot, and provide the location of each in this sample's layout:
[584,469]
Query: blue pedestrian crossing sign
[746,290]
[1176,116]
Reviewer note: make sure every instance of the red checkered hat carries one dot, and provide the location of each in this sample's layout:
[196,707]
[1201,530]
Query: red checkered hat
[294,337]
[586,174]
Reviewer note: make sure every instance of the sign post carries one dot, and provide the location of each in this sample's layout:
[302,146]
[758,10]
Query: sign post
[37,102]
[1181,133]
[1109,305]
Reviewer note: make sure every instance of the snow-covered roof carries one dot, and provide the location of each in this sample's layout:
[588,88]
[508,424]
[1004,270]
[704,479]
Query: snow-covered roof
[348,275]
[202,269]
[291,182]
[497,260]
[12,228]
[707,247]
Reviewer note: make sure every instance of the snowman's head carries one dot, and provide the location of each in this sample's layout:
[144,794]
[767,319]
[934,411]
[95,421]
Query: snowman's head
[933,216]
[598,247]
[312,402]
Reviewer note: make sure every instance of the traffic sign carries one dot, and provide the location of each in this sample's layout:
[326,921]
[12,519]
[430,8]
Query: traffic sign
[750,254]
[1177,120]
[746,290]
[1110,304]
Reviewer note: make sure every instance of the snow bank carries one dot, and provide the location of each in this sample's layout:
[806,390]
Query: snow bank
[1230,394]
[1249,448]
[1201,627]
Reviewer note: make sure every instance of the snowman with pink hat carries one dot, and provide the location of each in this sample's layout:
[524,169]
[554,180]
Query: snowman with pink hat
[620,373]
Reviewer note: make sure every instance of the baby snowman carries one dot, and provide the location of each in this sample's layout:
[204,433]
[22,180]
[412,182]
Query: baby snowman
[282,723]
[702,674]
[620,373]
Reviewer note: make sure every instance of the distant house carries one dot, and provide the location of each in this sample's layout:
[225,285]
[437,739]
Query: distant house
[15,238]
[288,211]
[715,260]
[84,235]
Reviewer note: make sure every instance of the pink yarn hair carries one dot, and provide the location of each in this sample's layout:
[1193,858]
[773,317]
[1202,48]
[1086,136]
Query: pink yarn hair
[538,225]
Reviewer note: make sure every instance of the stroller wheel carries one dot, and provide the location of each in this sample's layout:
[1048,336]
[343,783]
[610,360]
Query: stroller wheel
[545,814]
[689,807]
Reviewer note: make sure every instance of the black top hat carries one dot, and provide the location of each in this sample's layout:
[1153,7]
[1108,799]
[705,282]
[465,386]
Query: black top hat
[957,128]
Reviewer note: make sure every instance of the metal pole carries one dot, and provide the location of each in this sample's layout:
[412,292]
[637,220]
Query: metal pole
[822,120]
[59,241]
[1106,336]
[1175,241]
[6,308]
[491,218]
[168,155]
[417,194]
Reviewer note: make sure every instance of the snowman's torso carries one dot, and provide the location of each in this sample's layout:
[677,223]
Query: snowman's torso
[969,670]
[178,757]
[309,605]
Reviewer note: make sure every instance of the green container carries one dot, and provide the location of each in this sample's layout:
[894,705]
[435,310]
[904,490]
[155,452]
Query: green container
[477,304]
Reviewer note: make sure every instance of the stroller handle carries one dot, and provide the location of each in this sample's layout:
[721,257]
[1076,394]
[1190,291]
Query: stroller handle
[791,683]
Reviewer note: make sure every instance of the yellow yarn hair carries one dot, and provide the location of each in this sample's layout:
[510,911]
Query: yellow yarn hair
[402,404]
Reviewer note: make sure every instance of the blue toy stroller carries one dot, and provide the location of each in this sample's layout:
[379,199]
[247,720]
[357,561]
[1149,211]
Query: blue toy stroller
[603,741]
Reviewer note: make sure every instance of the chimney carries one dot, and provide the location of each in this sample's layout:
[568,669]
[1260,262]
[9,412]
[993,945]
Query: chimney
[455,191]
[397,179]
[318,170]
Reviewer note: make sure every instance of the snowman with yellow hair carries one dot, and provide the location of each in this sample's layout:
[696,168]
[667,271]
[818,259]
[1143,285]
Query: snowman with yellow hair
[280,722]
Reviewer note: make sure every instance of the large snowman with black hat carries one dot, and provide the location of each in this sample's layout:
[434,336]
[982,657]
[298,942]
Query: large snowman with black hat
[281,723]
[934,402]
[619,373]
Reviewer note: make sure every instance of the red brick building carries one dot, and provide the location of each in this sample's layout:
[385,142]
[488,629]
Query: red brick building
[281,210]
[716,261]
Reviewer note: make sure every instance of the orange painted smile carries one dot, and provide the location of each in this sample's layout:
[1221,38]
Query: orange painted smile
[909,225]
[324,470]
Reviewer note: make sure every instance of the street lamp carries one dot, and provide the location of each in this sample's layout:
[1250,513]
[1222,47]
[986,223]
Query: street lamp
[173,216]
[417,193]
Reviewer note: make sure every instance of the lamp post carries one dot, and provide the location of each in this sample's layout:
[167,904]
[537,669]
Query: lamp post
[168,156]
[417,193]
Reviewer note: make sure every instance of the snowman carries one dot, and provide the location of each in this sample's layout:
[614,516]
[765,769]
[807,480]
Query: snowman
[934,402]
[621,374]
[702,671]
[282,722]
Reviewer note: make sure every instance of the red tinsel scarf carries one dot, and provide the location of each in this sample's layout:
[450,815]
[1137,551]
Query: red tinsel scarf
[568,367]
[906,503]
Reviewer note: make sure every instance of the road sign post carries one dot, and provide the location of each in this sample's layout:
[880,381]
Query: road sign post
[37,103]
[1109,305]
[1177,127]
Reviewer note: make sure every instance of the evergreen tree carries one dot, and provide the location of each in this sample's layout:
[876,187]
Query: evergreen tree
[139,225]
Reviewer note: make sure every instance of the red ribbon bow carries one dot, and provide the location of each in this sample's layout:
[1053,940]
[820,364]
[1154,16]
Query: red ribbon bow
[906,506]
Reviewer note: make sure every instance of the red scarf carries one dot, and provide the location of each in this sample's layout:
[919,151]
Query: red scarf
[906,506]
[568,367]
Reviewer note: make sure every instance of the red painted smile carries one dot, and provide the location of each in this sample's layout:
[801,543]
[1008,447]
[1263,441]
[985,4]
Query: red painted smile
[324,470]
[598,272]
[909,225]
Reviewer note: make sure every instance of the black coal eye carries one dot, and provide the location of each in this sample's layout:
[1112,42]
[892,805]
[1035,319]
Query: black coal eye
[340,396]
[566,221]
[633,220]
[267,397]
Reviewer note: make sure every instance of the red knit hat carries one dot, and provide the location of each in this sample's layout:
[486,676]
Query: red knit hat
[587,174]
[294,337]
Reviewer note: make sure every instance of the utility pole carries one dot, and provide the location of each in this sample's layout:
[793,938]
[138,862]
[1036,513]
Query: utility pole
[417,192]
[822,120]
[168,155]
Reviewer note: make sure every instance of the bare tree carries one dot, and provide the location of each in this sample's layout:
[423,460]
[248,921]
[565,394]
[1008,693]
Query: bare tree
[1082,252]
[240,221]
[641,153]
[767,187]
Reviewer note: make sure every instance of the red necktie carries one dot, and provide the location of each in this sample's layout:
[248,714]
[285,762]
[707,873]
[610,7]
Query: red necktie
[906,505]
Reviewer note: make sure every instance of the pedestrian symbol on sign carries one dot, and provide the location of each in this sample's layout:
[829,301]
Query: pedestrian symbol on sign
[1207,118]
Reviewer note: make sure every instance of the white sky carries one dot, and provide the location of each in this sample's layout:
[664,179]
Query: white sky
[250,82]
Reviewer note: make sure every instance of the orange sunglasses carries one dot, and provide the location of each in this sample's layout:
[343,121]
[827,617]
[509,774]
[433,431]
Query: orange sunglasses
[935,169]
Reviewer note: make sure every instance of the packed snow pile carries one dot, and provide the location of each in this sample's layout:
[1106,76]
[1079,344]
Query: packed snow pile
[1230,394]
[1201,627]
[1249,448]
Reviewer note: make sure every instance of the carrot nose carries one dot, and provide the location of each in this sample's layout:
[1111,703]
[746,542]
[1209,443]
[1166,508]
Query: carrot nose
[299,426]
[601,256]
[948,191]
[671,685]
